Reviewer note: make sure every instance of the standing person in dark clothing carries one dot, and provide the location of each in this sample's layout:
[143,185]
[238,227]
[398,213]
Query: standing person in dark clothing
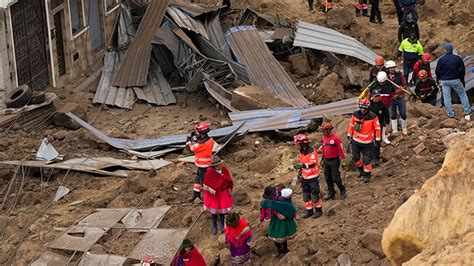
[426,88]
[398,104]
[310,4]
[450,71]
[332,153]
[375,12]
[380,109]
[379,66]
[399,11]
[386,88]
[408,27]
[408,7]
[412,51]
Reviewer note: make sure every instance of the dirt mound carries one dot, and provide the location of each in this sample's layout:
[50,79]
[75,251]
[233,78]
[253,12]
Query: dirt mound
[441,209]
[329,90]
[251,97]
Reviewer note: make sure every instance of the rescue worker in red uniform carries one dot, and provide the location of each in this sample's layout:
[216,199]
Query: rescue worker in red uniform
[362,6]
[364,131]
[423,64]
[332,153]
[309,176]
[201,144]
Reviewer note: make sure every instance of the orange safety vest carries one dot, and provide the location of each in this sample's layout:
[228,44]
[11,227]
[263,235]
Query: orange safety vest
[202,153]
[307,160]
[369,128]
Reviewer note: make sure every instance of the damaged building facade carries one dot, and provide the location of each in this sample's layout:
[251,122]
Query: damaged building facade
[52,42]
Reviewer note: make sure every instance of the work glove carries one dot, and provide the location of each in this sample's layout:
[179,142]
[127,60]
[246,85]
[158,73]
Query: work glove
[344,163]
[299,166]
[189,138]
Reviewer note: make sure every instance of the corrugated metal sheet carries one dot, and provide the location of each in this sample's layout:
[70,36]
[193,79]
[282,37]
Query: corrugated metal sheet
[108,94]
[336,108]
[134,68]
[219,93]
[156,91]
[321,38]
[197,9]
[186,21]
[264,69]
[211,51]
[216,34]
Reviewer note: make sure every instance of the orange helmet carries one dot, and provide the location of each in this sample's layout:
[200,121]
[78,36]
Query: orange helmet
[379,61]
[422,74]
[301,138]
[326,126]
[364,104]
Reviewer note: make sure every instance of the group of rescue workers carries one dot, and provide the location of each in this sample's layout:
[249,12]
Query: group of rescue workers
[380,106]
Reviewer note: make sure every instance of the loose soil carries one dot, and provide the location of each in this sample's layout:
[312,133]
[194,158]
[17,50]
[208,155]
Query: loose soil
[30,220]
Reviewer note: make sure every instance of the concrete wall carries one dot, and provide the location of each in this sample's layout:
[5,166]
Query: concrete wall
[5,83]
[81,44]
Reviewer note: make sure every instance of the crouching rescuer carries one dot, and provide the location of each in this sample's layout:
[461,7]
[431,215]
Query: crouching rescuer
[201,144]
[308,173]
[364,131]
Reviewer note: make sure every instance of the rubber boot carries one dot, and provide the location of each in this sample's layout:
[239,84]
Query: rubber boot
[195,196]
[344,194]
[214,224]
[329,197]
[318,212]
[384,136]
[361,171]
[366,177]
[221,222]
[284,247]
[307,214]
[404,126]
[394,126]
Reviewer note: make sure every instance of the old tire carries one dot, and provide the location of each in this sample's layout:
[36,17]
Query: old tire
[38,98]
[18,97]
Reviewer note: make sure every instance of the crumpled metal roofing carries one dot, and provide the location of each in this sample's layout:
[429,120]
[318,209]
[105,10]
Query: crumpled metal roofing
[324,39]
[264,70]
[133,69]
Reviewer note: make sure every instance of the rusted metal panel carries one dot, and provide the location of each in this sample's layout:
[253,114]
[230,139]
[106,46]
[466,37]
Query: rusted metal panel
[264,69]
[134,67]
[197,9]
[103,218]
[142,219]
[321,38]
[50,258]
[160,244]
[78,238]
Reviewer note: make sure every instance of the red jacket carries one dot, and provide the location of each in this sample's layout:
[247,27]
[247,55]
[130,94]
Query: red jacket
[192,259]
[420,66]
[332,147]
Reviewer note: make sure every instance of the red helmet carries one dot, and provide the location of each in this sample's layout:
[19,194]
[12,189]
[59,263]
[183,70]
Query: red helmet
[379,61]
[301,138]
[422,74]
[426,57]
[326,126]
[202,127]
[364,104]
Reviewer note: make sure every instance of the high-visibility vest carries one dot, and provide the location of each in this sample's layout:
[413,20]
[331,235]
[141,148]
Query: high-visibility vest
[203,153]
[369,128]
[307,160]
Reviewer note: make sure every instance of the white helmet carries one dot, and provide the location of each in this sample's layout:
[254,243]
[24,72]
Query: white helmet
[381,76]
[390,64]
